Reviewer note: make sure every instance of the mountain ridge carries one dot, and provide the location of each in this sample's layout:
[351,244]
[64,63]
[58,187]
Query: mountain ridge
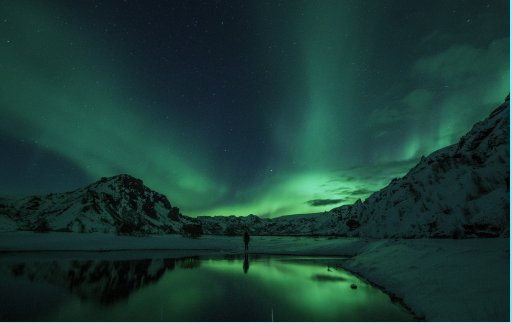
[469,181]
[111,205]
[459,191]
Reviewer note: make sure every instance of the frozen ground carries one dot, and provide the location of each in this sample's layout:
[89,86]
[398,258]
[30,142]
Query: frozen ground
[439,279]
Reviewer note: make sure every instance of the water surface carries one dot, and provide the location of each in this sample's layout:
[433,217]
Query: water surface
[219,287]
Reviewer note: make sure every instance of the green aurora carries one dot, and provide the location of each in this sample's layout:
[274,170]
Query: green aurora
[242,107]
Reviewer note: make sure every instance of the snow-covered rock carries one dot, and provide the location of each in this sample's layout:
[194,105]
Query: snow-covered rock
[459,191]
[119,204]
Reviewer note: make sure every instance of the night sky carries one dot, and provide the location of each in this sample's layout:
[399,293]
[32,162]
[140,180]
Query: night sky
[239,107]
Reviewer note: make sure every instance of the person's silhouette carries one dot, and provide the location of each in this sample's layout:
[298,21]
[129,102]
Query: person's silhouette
[246,240]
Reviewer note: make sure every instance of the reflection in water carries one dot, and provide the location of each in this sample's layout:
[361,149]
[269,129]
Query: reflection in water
[104,282]
[277,287]
[189,263]
[246,263]
[327,278]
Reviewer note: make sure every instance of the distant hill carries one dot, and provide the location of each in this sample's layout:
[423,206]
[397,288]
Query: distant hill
[292,217]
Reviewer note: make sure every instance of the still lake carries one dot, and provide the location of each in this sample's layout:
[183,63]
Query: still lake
[214,287]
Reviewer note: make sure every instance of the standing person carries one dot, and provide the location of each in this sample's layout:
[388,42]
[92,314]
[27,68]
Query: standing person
[246,240]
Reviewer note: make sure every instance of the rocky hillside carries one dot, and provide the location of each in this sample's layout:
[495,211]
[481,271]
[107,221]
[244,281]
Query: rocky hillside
[462,190]
[121,204]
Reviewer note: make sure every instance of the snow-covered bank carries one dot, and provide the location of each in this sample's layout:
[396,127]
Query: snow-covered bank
[71,241]
[439,279]
[442,279]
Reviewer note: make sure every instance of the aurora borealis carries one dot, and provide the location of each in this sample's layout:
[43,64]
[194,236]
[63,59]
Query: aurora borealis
[239,107]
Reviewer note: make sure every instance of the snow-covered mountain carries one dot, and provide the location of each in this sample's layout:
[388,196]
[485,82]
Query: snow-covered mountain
[119,204]
[460,191]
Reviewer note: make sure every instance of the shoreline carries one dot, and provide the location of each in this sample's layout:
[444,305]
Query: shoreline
[436,279]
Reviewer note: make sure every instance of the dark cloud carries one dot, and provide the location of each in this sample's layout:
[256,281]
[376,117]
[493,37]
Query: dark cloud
[412,107]
[341,191]
[321,202]
[460,62]
[361,192]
